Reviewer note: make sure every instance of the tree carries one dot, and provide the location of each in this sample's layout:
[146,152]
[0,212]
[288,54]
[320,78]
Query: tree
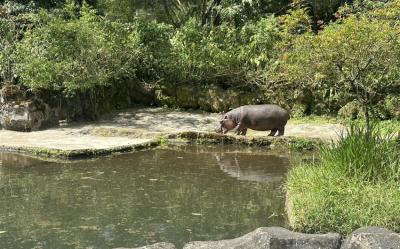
[10,32]
[174,12]
[357,58]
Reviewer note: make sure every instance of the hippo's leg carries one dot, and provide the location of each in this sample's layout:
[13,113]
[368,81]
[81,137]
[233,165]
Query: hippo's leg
[273,132]
[243,132]
[240,129]
[281,131]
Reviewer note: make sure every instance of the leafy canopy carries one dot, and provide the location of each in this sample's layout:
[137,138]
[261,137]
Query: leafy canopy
[358,57]
[76,53]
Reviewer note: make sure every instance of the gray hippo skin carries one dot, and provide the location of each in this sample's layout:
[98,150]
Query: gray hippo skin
[256,117]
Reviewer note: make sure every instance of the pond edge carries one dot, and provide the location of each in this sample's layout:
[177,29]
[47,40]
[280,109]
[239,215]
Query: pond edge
[186,137]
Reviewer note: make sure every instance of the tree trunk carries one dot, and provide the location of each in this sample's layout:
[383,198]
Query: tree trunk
[367,118]
[210,16]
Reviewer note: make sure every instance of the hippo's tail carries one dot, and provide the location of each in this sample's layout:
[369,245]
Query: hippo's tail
[289,113]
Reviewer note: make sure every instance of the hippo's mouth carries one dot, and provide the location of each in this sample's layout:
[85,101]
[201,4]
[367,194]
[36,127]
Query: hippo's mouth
[221,130]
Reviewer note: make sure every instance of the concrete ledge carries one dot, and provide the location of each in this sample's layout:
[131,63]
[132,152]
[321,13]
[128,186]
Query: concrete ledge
[90,147]
[79,153]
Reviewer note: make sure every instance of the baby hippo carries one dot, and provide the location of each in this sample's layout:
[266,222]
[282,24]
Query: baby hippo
[255,117]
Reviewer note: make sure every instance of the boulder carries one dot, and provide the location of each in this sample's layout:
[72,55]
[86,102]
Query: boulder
[155,246]
[273,238]
[21,113]
[187,96]
[372,238]
[351,110]
[211,98]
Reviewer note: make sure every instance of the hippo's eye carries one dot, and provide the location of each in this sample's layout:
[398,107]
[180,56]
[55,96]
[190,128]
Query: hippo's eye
[221,121]
[226,117]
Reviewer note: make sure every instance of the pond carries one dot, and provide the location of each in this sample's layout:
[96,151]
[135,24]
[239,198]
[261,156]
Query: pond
[172,194]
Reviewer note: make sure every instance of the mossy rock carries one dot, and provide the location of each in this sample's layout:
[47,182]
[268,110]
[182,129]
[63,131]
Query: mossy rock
[298,111]
[12,93]
[392,106]
[232,99]
[212,99]
[351,111]
[187,96]
[162,99]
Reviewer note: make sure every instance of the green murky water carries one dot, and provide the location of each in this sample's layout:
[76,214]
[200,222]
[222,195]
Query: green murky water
[192,193]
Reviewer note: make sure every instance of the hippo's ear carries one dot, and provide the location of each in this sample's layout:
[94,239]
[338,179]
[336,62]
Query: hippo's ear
[221,121]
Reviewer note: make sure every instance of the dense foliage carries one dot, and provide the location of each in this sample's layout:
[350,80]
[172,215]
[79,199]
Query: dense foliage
[312,56]
[357,59]
[76,53]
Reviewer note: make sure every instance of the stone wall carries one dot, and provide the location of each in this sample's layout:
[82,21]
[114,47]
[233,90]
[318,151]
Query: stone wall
[212,98]
[91,105]
[21,110]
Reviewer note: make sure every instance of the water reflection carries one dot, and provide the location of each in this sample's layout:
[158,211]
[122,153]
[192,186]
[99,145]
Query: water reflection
[194,193]
[259,169]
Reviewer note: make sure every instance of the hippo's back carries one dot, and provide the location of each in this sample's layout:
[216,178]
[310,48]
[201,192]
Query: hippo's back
[263,117]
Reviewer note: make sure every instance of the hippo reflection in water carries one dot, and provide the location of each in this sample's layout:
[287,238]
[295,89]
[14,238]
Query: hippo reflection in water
[256,117]
[253,167]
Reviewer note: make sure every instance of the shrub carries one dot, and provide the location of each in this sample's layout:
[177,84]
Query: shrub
[364,154]
[223,54]
[77,53]
[7,40]
[392,106]
[155,58]
[204,54]
[11,28]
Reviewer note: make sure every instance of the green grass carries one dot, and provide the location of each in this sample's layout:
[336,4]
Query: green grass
[385,126]
[312,119]
[363,154]
[302,144]
[356,183]
[323,201]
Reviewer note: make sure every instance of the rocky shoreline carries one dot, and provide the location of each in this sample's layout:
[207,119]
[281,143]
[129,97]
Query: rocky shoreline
[280,238]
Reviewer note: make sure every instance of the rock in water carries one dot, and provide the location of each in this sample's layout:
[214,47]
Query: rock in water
[273,238]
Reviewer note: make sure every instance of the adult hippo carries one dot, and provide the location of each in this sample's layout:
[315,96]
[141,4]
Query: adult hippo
[255,117]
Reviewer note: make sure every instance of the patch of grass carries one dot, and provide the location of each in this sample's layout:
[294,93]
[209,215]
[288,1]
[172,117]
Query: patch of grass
[388,126]
[321,200]
[355,183]
[363,154]
[163,140]
[313,119]
[385,127]
[301,144]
